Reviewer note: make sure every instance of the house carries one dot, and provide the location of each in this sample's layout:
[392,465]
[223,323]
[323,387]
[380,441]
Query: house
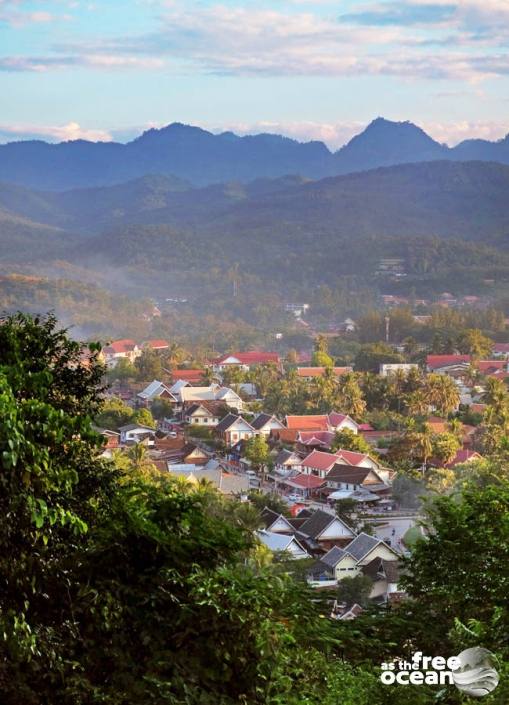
[281,543]
[319,463]
[304,486]
[111,441]
[447,364]
[245,360]
[276,523]
[187,395]
[233,428]
[313,372]
[314,440]
[321,422]
[324,531]
[464,456]
[385,575]
[118,349]
[501,349]
[387,369]
[156,345]
[204,413]
[348,477]
[155,390]
[225,482]
[349,560]
[287,462]
[265,424]
[194,377]
[136,433]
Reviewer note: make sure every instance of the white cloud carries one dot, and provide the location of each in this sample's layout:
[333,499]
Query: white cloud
[57,133]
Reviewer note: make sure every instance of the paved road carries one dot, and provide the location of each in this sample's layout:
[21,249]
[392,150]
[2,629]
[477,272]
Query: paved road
[394,529]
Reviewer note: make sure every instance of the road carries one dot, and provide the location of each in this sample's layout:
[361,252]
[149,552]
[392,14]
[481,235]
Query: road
[394,529]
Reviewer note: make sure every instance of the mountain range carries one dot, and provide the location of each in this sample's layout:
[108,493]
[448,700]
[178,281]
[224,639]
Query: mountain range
[465,200]
[201,158]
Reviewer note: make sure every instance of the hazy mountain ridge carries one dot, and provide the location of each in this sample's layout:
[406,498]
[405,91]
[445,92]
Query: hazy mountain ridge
[196,155]
[465,200]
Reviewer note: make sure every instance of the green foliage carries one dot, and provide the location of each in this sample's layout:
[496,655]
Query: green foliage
[271,500]
[162,408]
[354,590]
[149,365]
[144,418]
[113,414]
[257,452]
[371,356]
[349,440]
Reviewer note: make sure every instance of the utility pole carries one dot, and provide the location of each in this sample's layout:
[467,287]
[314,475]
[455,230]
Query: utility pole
[387,322]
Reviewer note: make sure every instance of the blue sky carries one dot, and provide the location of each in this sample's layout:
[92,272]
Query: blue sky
[313,69]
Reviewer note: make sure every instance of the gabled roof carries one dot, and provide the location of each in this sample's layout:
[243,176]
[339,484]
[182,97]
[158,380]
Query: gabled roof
[157,344]
[362,545]
[352,457]
[254,357]
[320,460]
[211,408]
[336,419]
[188,375]
[132,426]
[487,366]
[333,556]
[309,422]
[310,438]
[278,542]
[270,517]
[229,420]
[284,455]
[263,419]
[318,522]
[380,567]
[435,362]
[349,474]
[307,482]
[464,456]
[120,346]
[155,388]
[178,385]
[501,347]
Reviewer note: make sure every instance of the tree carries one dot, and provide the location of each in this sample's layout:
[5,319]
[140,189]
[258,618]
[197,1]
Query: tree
[441,392]
[371,356]
[475,527]
[271,500]
[321,357]
[264,377]
[149,365]
[473,342]
[257,452]
[349,396]
[122,371]
[162,408]
[354,590]
[445,447]
[346,510]
[135,589]
[113,414]
[144,418]
[348,440]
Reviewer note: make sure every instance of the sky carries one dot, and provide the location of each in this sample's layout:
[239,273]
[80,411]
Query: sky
[310,69]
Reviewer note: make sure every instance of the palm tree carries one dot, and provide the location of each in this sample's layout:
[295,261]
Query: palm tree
[441,391]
